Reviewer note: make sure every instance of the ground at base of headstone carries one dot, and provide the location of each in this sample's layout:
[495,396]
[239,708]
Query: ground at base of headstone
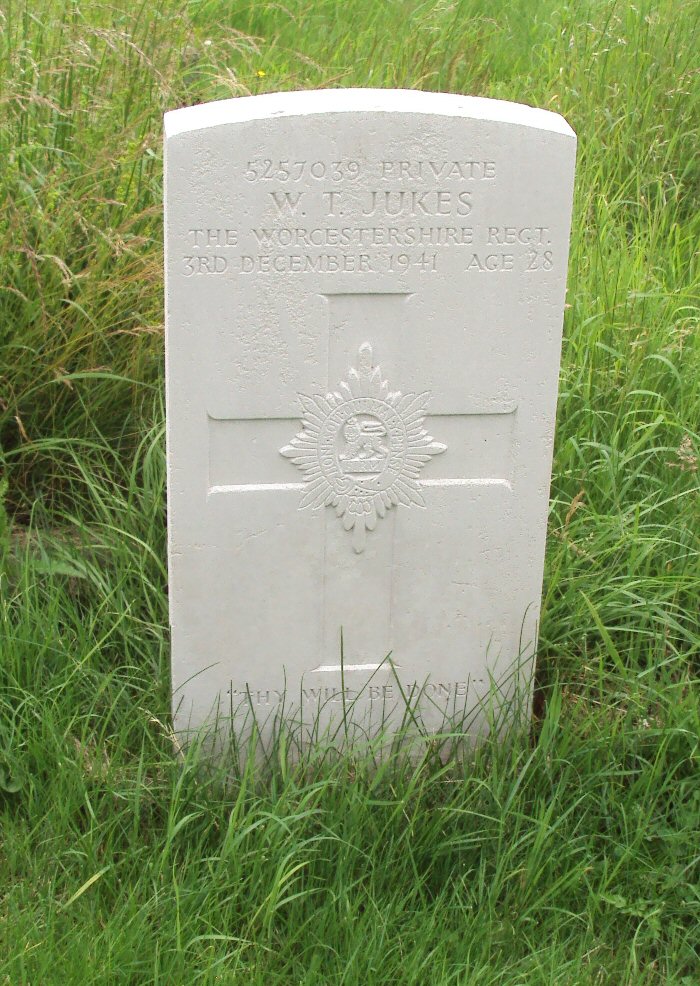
[572,843]
[370,722]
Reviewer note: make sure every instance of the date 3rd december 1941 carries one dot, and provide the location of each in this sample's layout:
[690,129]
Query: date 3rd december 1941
[531,260]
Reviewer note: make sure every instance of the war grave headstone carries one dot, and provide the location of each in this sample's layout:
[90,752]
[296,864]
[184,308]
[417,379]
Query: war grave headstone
[364,302]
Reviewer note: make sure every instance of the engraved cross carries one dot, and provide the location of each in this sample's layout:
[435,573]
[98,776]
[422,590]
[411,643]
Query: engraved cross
[467,451]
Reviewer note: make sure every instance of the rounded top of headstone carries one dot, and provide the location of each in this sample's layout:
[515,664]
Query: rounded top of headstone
[316,101]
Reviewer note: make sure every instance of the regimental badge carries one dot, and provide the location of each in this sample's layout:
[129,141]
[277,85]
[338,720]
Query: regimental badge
[362,447]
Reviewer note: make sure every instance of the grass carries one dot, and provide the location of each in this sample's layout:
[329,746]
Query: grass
[569,857]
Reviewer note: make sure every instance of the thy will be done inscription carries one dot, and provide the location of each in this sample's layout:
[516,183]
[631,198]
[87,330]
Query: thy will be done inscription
[364,300]
[455,691]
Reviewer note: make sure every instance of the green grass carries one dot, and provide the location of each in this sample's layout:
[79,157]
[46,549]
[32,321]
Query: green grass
[571,857]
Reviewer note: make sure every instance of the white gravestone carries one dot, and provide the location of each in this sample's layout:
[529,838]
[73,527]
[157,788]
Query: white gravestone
[365,291]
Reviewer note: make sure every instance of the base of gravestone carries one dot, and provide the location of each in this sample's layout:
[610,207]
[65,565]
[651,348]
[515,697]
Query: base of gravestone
[378,724]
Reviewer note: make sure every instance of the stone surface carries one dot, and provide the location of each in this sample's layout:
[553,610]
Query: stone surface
[365,292]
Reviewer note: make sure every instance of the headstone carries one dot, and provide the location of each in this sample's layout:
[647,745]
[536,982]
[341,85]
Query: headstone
[365,291]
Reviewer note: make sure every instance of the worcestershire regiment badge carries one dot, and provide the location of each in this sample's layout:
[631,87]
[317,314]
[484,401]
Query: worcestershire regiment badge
[362,447]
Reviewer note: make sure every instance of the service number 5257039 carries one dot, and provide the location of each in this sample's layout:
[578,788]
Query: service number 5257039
[266,169]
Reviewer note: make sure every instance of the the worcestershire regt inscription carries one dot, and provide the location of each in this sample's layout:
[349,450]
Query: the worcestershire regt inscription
[362,448]
[311,239]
